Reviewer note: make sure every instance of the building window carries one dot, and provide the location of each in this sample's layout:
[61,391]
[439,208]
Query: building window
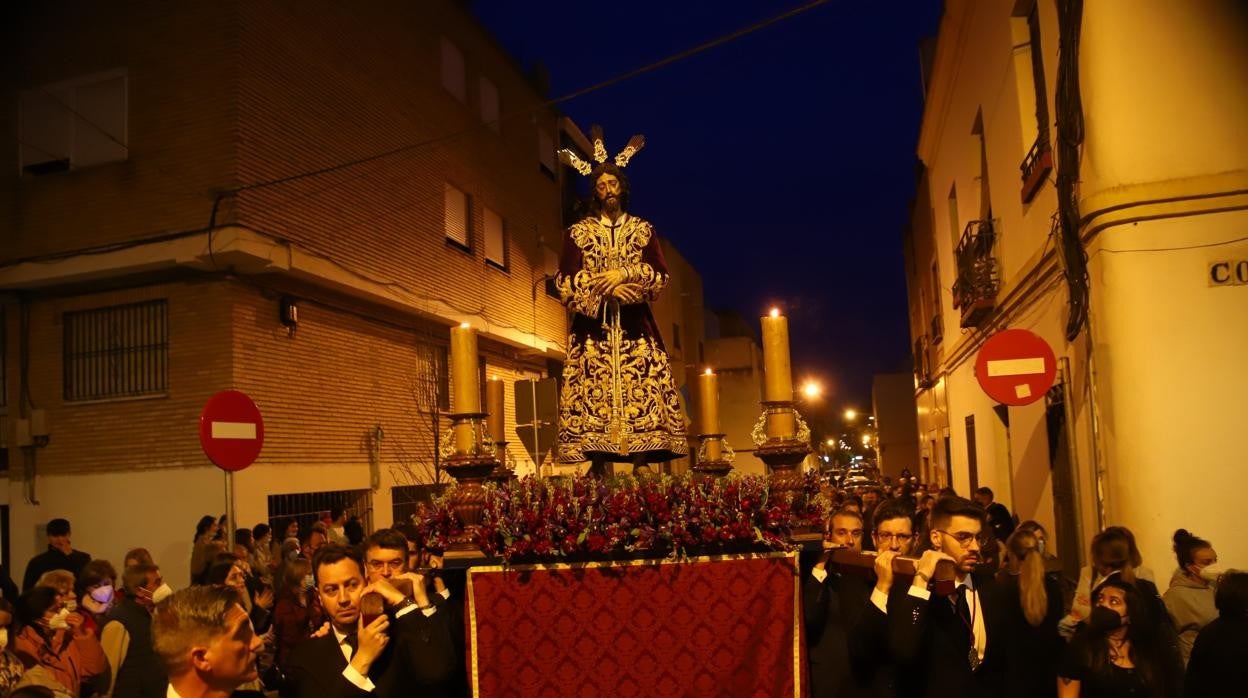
[120,351]
[73,124]
[546,156]
[954,229]
[1032,98]
[457,216]
[495,238]
[454,74]
[490,109]
[307,508]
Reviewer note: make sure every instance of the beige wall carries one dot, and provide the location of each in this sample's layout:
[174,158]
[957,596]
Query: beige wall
[892,402]
[1164,165]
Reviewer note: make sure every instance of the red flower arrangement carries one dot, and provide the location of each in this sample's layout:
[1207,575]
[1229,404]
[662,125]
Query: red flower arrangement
[582,518]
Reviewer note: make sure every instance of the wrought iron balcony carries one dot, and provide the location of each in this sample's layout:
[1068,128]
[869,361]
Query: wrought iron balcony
[1036,165]
[922,363]
[975,291]
[938,328]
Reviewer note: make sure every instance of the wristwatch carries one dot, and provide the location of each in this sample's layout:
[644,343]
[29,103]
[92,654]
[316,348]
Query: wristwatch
[404,604]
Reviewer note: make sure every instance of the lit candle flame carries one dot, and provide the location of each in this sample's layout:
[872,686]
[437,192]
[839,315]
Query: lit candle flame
[464,325]
[709,372]
[775,312]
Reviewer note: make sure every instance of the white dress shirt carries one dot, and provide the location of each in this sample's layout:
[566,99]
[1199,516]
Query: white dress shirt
[972,602]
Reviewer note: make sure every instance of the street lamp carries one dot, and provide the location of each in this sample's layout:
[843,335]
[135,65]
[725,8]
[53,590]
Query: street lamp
[811,390]
[851,414]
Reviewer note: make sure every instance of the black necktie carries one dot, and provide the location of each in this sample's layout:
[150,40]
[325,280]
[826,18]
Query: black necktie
[352,640]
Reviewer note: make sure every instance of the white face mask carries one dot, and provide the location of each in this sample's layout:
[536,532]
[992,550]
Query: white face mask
[161,593]
[58,621]
[1210,573]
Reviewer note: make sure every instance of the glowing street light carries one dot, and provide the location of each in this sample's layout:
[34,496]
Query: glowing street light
[851,414]
[811,390]
[866,439]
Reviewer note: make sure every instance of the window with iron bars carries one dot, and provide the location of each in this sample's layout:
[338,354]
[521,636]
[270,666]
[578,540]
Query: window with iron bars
[117,352]
[306,508]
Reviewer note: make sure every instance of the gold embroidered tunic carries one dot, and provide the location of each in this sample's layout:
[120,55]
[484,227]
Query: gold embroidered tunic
[618,397]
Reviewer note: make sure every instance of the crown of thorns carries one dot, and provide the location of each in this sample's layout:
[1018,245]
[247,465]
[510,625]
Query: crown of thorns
[622,158]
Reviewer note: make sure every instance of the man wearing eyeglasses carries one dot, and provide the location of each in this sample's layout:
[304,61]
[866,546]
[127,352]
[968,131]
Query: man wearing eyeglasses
[833,605]
[946,643]
[868,647]
[426,648]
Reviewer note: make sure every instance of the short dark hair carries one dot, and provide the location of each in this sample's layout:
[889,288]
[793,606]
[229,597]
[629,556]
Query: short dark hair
[334,553]
[893,509]
[94,572]
[1231,598]
[242,536]
[58,527]
[387,539]
[986,492]
[260,531]
[139,554]
[948,507]
[845,512]
[218,572]
[306,536]
[335,512]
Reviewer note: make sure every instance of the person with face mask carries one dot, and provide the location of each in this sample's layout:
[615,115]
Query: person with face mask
[1117,653]
[56,639]
[1189,600]
[127,635]
[96,591]
[11,668]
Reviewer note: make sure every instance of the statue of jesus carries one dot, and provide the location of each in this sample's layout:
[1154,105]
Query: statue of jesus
[618,402]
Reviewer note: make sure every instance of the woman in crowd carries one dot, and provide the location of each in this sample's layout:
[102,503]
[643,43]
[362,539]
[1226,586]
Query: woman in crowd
[10,666]
[1113,553]
[1219,659]
[207,545]
[259,605]
[294,616]
[1118,652]
[1032,601]
[1189,600]
[262,552]
[95,586]
[57,640]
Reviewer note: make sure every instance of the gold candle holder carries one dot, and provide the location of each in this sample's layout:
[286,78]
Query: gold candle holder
[714,456]
[784,455]
[470,458]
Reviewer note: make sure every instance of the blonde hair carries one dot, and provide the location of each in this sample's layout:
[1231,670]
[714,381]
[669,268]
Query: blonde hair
[1032,596]
[60,580]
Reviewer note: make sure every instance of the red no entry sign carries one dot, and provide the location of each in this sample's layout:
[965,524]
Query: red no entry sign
[1015,367]
[231,430]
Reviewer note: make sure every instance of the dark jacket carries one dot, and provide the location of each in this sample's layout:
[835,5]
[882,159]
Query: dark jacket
[1000,520]
[142,673]
[1032,652]
[53,559]
[930,643]
[832,610]
[1219,658]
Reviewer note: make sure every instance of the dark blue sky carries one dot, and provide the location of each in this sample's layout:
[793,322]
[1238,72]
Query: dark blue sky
[780,164]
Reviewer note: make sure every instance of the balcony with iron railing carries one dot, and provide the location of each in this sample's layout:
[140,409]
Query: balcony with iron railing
[922,363]
[1037,165]
[938,328]
[975,291]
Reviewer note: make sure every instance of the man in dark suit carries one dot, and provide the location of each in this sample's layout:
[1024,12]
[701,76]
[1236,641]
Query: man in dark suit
[833,603]
[868,646]
[60,555]
[350,660]
[949,645]
[999,518]
[429,649]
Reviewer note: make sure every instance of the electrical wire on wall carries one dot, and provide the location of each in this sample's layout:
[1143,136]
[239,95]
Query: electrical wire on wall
[1070,131]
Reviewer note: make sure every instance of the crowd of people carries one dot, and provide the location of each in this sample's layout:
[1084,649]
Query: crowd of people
[986,609]
[327,611]
[979,606]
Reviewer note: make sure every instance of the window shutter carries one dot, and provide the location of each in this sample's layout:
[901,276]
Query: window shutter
[453,72]
[490,104]
[100,133]
[456,215]
[495,238]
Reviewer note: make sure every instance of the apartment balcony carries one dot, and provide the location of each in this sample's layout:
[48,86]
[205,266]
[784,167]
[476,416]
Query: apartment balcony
[975,291]
[923,363]
[1036,166]
[937,332]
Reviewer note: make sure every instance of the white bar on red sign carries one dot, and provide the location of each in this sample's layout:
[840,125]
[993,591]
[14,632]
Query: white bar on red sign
[1015,367]
[233,430]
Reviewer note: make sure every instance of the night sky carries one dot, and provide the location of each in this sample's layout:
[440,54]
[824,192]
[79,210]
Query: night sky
[780,164]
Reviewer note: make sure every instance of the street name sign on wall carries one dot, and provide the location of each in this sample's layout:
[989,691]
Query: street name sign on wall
[1015,367]
[231,430]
